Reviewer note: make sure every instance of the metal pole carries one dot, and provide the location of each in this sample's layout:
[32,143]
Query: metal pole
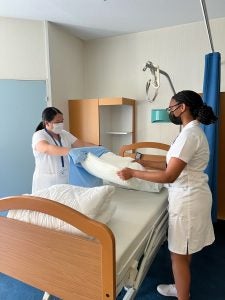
[168,77]
[204,10]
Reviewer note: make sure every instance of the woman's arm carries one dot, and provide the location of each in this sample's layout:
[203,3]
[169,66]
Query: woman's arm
[79,143]
[45,147]
[169,175]
[155,165]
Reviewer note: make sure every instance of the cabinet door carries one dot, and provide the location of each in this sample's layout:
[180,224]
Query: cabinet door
[84,119]
[221,168]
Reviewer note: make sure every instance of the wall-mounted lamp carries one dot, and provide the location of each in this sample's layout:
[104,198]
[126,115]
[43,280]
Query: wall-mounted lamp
[159,116]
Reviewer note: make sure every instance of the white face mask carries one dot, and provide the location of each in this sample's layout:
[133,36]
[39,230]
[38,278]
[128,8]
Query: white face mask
[57,128]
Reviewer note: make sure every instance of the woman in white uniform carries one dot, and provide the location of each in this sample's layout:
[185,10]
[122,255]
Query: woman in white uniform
[190,200]
[51,145]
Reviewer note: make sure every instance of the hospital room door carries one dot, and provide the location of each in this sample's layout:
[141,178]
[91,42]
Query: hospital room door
[21,102]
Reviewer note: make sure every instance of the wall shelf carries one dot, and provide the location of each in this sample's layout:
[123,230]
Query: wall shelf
[105,121]
[119,132]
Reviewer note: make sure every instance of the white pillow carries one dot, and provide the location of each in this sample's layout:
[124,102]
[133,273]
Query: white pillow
[93,202]
[107,165]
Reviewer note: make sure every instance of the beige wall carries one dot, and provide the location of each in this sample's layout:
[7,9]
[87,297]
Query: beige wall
[34,50]
[66,68]
[113,67]
[109,66]
[22,50]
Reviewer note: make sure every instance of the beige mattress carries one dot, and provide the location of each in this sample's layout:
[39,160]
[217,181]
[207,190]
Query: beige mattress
[132,224]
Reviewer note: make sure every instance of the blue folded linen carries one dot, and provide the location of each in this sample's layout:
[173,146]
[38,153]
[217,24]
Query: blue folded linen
[78,175]
[3,213]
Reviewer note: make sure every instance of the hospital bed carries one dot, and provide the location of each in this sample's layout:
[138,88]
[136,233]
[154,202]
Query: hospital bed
[69,266]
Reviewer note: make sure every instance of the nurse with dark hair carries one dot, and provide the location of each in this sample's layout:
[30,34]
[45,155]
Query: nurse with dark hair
[51,145]
[190,200]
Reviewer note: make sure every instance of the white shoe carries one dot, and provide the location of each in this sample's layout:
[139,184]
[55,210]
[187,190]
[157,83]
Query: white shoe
[167,290]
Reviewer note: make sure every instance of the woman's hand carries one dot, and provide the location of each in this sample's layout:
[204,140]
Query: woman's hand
[125,174]
[171,173]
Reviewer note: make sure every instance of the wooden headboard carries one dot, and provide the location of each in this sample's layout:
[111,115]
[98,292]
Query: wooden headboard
[131,149]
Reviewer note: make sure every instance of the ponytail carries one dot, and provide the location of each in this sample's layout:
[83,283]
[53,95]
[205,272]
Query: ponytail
[206,115]
[40,126]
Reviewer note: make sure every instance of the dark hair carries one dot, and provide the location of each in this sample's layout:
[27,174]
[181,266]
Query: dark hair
[48,115]
[198,109]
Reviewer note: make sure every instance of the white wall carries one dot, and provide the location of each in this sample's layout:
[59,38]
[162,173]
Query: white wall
[22,50]
[66,68]
[113,67]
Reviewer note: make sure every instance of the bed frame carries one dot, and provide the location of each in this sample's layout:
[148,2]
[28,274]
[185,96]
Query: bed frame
[67,266]
[130,150]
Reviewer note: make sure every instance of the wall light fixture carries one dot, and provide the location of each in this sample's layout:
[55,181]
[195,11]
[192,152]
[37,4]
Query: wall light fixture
[159,116]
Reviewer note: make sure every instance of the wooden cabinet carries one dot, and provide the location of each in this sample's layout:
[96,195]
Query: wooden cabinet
[221,162]
[105,121]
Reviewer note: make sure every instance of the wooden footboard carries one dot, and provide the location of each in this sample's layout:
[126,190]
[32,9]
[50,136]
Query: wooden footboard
[64,265]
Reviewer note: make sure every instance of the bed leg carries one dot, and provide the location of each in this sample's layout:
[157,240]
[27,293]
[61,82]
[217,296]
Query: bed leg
[46,296]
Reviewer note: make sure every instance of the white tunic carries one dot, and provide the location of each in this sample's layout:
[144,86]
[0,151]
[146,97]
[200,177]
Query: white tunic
[190,199]
[49,169]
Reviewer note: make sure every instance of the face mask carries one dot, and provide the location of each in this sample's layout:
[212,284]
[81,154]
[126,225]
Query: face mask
[175,120]
[57,128]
